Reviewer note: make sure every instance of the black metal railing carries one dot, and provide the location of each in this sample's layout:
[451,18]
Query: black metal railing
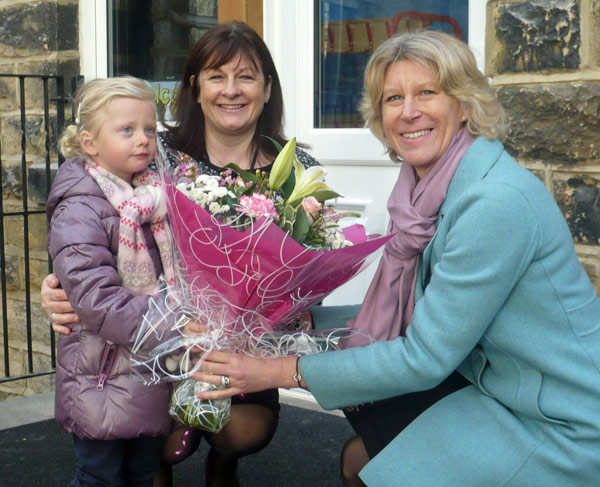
[54,109]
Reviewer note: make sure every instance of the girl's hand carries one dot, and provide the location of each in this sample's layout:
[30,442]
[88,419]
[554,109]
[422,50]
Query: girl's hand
[56,306]
[194,328]
[246,374]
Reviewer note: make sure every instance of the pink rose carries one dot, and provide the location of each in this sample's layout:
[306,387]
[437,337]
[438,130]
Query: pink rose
[312,208]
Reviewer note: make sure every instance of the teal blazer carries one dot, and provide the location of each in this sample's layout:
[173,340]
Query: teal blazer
[507,303]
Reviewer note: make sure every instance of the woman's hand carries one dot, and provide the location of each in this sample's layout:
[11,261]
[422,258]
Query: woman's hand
[56,306]
[246,374]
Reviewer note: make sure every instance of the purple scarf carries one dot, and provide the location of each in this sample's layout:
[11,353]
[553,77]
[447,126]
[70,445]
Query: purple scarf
[413,207]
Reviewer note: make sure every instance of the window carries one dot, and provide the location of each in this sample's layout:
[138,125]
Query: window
[347,33]
[149,40]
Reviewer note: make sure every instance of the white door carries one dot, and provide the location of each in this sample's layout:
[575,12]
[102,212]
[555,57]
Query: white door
[320,48]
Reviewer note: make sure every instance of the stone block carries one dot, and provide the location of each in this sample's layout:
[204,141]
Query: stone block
[42,383]
[13,276]
[67,27]
[12,182]
[40,26]
[536,35]
[13,389]
[11,135]
[17,360]
[40,328]
[13,232]
[59,65]
[14,237]
[37,181]
[578,196]
[554,123]
[38,269]
[8,100]
[37,232]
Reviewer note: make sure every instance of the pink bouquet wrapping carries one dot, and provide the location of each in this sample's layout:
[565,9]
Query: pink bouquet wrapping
[260,278]
[242,271]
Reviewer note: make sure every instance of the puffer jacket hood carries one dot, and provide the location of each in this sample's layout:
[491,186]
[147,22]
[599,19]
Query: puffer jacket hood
[97,395]
[71,180]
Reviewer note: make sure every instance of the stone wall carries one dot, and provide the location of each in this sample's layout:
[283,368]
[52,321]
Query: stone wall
[544,59]
[36,37]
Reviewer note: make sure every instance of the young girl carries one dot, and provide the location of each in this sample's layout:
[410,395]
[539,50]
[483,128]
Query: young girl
[109,241]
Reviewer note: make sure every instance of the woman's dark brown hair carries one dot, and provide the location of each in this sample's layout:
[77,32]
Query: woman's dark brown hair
[219,45]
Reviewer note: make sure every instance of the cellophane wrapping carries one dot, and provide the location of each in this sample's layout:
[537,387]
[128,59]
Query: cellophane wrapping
[244,286]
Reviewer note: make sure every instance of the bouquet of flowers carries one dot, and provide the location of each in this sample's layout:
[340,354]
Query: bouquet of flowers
[253,250]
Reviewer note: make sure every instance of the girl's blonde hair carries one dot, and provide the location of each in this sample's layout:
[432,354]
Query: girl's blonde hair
[91,101]
[456,68]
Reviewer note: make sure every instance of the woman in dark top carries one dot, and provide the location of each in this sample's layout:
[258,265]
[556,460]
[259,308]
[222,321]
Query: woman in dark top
[230,98]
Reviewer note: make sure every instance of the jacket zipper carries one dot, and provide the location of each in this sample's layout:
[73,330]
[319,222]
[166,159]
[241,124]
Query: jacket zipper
[106,364]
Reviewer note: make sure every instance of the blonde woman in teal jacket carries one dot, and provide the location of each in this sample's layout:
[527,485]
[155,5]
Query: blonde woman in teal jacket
[499,296]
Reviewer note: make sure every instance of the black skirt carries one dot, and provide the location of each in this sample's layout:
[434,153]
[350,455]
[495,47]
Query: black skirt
[268,399]
[379,422]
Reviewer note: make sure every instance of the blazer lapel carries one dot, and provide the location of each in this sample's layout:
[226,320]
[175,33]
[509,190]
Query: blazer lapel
[475,164]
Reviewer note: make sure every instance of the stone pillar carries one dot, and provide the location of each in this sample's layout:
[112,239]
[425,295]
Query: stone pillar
[545,64]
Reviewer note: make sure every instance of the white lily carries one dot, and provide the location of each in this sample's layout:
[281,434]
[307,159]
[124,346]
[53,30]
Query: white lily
[307,182]
[282,167]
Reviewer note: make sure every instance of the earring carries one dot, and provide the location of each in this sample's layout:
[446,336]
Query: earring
[464,119]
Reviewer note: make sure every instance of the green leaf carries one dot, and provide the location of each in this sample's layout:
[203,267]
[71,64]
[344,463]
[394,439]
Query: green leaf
[323,195]
[228,200]
[320,195]
[289,212]
[286,219]
[245,175]
[275,143]
[288,186]
[301,225]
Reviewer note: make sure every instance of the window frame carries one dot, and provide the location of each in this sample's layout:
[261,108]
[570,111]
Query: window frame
[93,39]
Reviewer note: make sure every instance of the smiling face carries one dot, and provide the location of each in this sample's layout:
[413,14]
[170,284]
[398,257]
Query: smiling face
[232,96]
[125,142]
[419,119]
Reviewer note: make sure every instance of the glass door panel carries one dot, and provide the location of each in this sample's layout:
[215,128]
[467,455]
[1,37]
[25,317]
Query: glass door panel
[151,39]
[347,33]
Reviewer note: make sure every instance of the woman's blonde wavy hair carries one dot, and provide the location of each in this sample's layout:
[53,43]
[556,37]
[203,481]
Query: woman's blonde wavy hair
[90,105]
[456,68]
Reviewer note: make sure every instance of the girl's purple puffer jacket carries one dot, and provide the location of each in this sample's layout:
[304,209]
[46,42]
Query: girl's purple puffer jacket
[83,240]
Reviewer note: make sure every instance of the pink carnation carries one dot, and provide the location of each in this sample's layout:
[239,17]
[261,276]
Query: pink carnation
[257,205]
[185,171]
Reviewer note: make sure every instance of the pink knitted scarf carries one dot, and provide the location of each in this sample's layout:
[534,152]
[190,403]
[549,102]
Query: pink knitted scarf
[138,203]
[413,207]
